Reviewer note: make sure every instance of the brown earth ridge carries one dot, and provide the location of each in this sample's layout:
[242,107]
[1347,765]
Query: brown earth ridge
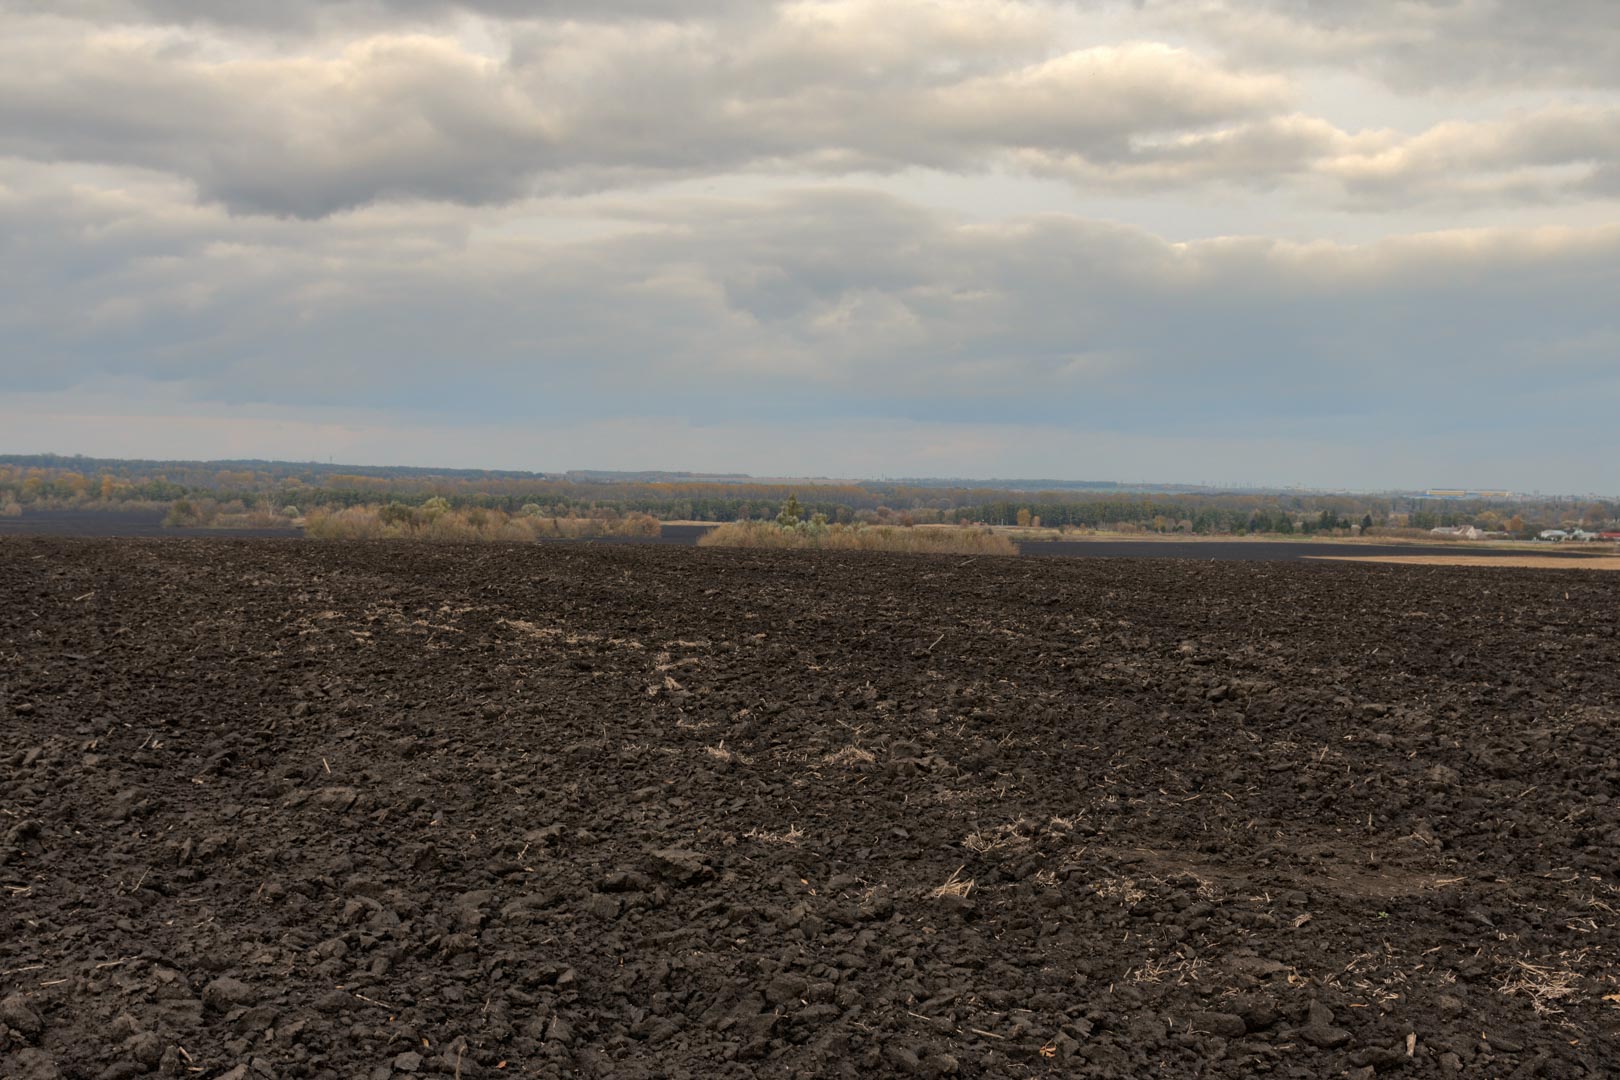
[289,809]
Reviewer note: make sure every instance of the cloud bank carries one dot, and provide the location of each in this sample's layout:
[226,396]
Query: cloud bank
[913,215]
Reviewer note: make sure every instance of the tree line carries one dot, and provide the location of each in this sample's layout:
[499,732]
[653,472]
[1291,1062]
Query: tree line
[294,489]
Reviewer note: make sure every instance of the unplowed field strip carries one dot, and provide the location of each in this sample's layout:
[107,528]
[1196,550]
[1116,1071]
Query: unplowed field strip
[1522,562]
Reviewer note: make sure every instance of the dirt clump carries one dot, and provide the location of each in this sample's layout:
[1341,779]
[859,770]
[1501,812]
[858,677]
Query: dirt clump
[285,809]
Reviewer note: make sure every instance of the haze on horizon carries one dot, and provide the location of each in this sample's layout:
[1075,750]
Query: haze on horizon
[1364,244]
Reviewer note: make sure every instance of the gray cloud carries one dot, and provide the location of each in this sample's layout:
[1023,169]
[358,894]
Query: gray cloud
[840,302]
[412,117]
[313,16]
[1540,156]
[834,88]
[1420,44]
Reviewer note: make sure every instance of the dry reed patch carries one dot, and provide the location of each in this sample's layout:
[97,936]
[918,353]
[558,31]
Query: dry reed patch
[467,525]
[915,540]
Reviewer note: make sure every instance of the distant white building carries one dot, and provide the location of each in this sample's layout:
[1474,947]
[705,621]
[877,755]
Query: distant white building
[1552,534]
[1459,532]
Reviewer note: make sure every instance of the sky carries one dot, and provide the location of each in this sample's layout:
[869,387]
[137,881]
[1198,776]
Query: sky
[1337,243]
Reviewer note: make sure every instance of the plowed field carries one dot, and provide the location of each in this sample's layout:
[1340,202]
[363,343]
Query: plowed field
[288,809]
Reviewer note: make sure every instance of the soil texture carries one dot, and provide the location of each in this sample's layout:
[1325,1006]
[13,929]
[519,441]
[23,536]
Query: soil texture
[287,809]
[118,523]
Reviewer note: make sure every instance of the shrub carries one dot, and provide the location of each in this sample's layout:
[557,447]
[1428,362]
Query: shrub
[396,521]
[354,523]
[396,514]
[184,513]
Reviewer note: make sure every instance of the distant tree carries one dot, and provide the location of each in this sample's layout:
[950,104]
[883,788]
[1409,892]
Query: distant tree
[75,484]
[1023,517]
[1366,522]
[791,512]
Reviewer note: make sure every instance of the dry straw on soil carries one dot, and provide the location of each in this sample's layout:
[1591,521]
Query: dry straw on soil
[1547,986]
[955,885]
[851,756]
[942,541]
[1004,837]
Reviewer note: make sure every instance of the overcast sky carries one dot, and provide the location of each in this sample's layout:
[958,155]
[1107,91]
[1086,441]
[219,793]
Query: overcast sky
[1357,243]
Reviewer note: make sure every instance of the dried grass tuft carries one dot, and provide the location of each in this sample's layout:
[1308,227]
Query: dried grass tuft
[955,885]
[792,837]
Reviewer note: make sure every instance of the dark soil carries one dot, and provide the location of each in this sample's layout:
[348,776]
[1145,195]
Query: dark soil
[286,809]
[120,523]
